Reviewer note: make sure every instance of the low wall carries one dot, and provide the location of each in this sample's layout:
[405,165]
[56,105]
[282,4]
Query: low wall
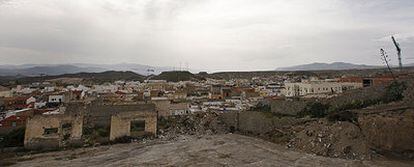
[256,122]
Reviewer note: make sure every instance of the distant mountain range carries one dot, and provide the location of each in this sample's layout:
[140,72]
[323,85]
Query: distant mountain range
[100,77]
[33,70]
[59,69]
[330,66]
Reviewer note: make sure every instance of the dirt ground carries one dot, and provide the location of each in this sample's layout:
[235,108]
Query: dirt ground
[206,150]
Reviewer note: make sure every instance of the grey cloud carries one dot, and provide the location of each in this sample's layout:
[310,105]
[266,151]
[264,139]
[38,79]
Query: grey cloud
[208,34]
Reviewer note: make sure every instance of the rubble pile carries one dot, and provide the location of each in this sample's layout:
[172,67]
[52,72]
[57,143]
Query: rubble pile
[376,133]
[339,140]
[206,123]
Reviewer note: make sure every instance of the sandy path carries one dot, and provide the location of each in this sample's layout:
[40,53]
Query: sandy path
[216,150]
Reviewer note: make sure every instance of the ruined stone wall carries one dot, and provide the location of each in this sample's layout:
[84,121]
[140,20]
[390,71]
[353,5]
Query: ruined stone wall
[163,107]
[100,114]
[35,128]
[79,117]
[121,123]
[256,122]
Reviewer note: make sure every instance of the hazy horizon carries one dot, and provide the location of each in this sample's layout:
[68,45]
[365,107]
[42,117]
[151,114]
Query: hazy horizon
[209,35]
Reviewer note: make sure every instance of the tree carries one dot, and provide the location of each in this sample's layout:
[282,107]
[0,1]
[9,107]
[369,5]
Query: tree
[315,110]
[394,91]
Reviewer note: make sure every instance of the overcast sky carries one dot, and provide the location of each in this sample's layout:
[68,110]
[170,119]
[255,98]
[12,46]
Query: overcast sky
[207,34]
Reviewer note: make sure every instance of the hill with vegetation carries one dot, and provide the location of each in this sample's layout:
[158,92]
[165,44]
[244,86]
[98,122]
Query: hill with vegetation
[107,76]
[176,76]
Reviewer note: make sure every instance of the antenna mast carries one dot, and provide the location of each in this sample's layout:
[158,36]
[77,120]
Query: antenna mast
[385,59]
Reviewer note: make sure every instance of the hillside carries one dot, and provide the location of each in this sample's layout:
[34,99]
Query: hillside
[40,70]
[60,69]
[326,66]
[107,76]
[175,76]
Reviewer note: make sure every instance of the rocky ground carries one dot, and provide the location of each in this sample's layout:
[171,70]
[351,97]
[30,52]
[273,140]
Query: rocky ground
[378,133]
[380,136]
[207,123]
[194,150]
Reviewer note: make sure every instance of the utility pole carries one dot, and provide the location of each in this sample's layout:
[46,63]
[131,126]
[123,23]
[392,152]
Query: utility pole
[385,59]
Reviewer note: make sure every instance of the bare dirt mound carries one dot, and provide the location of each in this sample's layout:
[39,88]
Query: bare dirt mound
[340,139]
[390,130]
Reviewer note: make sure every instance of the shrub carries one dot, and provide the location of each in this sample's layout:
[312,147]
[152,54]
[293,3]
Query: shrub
[314,110]
[394,91]
[262,106]
[343,116]
[103,131]
[354,104]
[13,139]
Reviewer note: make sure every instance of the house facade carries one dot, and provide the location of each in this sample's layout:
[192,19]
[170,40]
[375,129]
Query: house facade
[317,87]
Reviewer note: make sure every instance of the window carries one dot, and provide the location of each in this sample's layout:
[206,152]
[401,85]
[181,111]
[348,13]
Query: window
[14,124]
[66,130]
[50,131]
[137,127]
[66,126]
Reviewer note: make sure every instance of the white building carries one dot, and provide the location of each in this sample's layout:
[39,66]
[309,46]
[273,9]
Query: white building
[19,89]
[38,105]
[180,108]
[5,92]
[56,98]
[31,100]
[317,87]
[48,89]
[107,88]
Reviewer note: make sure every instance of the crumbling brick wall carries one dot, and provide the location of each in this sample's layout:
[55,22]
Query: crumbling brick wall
[69,131]
[100,114]
[163,107]
[121,123]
